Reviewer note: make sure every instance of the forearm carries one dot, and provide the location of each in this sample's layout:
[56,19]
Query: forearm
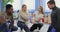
[12,22]
[38,19]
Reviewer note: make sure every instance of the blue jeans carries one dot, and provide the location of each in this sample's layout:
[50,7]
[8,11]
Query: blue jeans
[23,26]
[50,28]
[3,28]
[13,29]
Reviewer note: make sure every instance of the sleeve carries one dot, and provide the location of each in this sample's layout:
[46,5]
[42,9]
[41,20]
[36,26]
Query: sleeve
[24,16]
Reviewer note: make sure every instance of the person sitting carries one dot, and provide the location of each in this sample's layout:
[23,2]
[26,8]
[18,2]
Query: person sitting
[9,18]
[38,19]
[23,18]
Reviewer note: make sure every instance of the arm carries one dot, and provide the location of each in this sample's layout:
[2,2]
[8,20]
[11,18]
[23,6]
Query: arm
[12,23]
[24,16]
[54,17]
[40,17]
[2,19]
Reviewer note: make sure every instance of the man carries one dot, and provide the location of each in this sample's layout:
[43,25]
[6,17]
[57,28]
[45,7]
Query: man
[9,17]
[55,15]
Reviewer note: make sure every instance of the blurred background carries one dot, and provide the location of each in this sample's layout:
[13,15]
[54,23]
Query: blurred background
[32,5]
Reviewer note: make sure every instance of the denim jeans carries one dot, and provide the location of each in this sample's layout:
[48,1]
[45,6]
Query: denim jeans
[23,26]
[50,28]
[14,27]
[3,28]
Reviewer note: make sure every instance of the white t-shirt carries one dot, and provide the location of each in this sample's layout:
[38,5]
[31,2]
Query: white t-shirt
[38,16]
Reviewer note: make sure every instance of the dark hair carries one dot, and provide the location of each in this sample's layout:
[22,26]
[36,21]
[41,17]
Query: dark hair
[51,2]
[8,6]
[23,5]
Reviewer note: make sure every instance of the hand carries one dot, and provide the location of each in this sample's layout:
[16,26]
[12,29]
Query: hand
[38,19]
[33,21]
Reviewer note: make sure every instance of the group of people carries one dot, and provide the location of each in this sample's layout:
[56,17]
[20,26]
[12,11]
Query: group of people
[23,18]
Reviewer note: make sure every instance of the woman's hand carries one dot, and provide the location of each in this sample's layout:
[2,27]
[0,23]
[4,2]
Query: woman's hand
[38,19]
[33,21]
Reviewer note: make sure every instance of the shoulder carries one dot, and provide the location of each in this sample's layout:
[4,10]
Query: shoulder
[58,9]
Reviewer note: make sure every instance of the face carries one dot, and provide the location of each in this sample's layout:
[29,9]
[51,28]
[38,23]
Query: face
[10,10]
[39,9]
[50,6]
[24,8]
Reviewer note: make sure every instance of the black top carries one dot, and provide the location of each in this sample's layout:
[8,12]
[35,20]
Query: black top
[55,17]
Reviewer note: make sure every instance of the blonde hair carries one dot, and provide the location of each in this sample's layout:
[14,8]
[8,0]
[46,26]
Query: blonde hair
[40,7]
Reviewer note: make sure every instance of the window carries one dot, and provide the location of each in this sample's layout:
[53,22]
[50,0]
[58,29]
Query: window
[57,3]
[47,9]
[16,4]
[30,4]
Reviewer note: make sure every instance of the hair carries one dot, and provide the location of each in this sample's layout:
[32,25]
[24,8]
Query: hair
[40,7]
[8,6]
[51,2]
[23,5]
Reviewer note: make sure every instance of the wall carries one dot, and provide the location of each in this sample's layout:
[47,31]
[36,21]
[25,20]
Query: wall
[0,4]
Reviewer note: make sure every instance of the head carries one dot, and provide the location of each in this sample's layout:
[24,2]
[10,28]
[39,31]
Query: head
[40,9]
[9,8]
[24,7]
[51,4]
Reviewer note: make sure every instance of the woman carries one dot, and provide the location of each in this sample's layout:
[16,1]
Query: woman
[38,19]
[23,18]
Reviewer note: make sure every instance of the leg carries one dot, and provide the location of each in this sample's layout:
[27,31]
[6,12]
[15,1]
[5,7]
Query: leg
[40,25]
[3,28]
[50,28]
[23,26]
[19,24]
[14,28]
[34,26]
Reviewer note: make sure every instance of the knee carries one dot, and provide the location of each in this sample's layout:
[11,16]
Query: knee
[14,28]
